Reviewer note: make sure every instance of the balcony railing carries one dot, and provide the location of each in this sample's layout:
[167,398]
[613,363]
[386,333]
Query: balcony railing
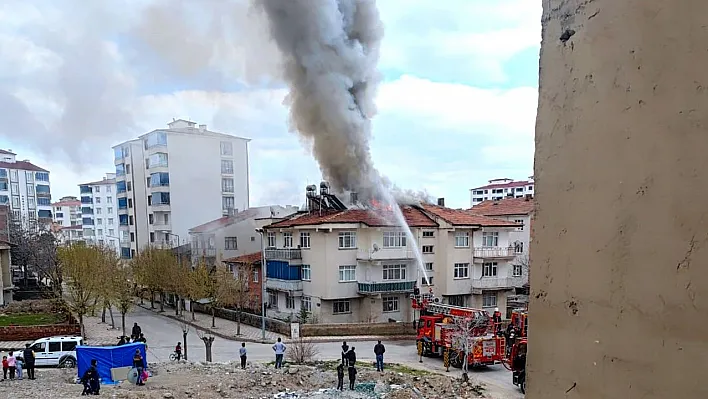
[497,282]
[495,252]
[385,254]
[385,287]
[284,285]
[205,252]
[283,253]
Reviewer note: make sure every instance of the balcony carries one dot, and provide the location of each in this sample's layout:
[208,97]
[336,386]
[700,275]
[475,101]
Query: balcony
[160,207]
[496,283]
[204,252]
[160,188]
[162,226]
[284,285]
[385,287]
[494,252]
[283,254]
[385,254]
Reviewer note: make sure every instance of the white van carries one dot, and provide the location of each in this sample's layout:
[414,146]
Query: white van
[56,351]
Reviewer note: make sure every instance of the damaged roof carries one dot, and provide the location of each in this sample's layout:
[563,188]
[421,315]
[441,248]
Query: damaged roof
[460,217]
[504,207]
[374,218]
[252,259]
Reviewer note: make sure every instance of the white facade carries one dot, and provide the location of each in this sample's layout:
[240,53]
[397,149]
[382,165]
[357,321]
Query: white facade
[25,188]
[502,188]
[170,180]
[99,212]
[67,211]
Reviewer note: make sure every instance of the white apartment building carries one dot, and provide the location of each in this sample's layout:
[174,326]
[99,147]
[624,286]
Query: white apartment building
[99,212]
[25,187]
[170,180]
[234,235]
[67,211]
[357,265]
[502,188]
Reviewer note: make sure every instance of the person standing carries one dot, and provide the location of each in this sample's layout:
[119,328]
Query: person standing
[135,333]
[340,377]
[5,367]
[345,349]
[178,351]
[19,363]
[90,380]
[351,362]
[243,353]
[11,364]
[352,377]
[279,349]
[139,366]
[379,350]
[28,355]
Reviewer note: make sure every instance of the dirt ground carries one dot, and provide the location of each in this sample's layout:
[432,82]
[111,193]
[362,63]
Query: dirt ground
[218,380]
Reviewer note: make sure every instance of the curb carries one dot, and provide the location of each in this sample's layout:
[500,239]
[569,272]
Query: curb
[315,340]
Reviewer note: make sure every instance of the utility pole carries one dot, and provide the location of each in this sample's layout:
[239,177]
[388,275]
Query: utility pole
[263,286]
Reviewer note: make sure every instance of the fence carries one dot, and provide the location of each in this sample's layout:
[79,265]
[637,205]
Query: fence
[250,319]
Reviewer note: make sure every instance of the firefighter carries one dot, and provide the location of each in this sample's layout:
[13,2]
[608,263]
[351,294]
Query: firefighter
[497,319]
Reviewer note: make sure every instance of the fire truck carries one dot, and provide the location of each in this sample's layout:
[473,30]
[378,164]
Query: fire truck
[520,321]
[445,328]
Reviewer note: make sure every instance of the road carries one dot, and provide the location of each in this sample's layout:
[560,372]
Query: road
[163,334]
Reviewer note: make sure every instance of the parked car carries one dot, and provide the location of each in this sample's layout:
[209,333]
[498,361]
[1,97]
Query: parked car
[56,351]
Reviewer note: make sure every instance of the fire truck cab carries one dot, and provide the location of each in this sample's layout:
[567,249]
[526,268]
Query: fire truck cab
[519,319]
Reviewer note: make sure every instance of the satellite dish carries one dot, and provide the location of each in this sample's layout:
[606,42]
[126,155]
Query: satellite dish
[376,247]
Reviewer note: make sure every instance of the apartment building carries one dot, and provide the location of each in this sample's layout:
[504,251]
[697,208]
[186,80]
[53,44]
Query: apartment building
[502,188]
[170,180]
[234,235]
[248,267]
[99,212]
[25,187]
[355,264]
[67,211]
[5,223]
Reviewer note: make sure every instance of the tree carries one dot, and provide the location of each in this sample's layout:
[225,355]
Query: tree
[225,291]
[242,295]
[185,331]
[176,281]
[45,261]
[462,338]
[123,292]
[108,289]
[301,351]
[152,267]
[208,338]
[80,264]
[199,283]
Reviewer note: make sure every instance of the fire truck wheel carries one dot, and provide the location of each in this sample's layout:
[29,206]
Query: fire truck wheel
[523,386]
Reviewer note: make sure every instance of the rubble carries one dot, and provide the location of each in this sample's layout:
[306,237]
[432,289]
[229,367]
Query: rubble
[258,381]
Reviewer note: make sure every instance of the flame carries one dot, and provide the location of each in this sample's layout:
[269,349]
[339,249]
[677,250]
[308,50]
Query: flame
[381,206]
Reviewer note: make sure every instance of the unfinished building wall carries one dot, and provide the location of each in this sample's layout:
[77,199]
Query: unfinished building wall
[619,303]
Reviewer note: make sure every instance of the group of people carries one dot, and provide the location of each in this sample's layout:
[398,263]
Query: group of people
[15,362]
[92,381]
[349,362]
[136,335]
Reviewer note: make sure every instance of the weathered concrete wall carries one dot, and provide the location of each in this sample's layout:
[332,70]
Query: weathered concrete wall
[620,291]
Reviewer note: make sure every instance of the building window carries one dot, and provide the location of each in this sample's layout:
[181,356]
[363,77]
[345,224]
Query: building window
[347,239]
[14,176]
[230,243]
[130,202]
[428,234]
[518,271]
[29,176]
[429,266]
[287,240]
[271,239]
[394,272]
[227,166]
[98,211]
[151,218]
[227,185]
[306,303]
[3,185]
[110,221]
[15,202]
[99,232]
[132,237]
[289,301]
[456,300]
[347,273]
[490,239]
[489,269]
[228,202]
[227,148]
[489,300]
[340,307]
[427,249]
[394,239]
[160,179]
[109,200]
[130,220]
[108,190]
[158,159]
[15,188]
[273,299]
[461,270]
[429,281]
[255,276]
[41,176]
[518,247]
[304,240]
[306,273]
[30,190]
[111,232]
[462,239]
[390,303]
[521,222]
[110,209]
[155,139]
[31,203]
[97,189]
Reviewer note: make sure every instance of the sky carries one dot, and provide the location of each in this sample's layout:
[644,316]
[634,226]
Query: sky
[456,107]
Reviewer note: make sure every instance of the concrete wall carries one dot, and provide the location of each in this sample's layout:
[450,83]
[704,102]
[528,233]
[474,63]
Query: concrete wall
[619,288]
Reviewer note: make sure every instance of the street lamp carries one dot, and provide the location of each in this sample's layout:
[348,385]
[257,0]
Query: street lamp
[263,285]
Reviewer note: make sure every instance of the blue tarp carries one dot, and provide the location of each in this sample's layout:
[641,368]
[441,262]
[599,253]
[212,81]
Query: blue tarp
[107,357]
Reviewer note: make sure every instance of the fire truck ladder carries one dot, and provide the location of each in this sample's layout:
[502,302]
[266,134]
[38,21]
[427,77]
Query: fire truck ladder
[450,310]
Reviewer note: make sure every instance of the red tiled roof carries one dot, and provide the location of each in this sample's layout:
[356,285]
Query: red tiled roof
[223,221]
[250,259]
[505,185]
[374,218]
[22,165]
[5,152]
[503,207]
[67,203]
[461,217]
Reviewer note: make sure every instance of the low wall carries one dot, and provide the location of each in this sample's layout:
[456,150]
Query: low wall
[29,333]
[250,319]
[353,329]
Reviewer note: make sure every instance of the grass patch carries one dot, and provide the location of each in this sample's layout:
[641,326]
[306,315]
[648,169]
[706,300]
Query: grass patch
[30,319]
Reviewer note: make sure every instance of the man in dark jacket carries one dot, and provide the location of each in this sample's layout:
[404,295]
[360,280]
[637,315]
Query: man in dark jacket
[351,357]
[90,380]
[28,355]
[345,349]
[135,334]
[379,350]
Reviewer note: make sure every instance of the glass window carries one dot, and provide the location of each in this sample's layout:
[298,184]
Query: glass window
[461,270]
[339,307]
[304,240]
[287,240]
[158,159]
[227,185]
[306,272]
[271,239]
[54,346]
[159,179]
[227,166]
[489,300]
[227,148]
[489,269]
[306,303]
[394,239]
[394,272]
[155,139]
[228,202]
[347,239]
[230,243]
[390,303]
[462,239]
[347,273]
[490,239]
[120,169]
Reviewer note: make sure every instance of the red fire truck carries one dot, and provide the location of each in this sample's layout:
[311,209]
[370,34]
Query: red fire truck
[443,327]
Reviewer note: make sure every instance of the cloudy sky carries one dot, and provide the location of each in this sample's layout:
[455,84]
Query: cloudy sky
[457,106]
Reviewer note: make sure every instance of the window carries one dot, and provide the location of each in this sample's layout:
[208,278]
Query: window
[273,299]
[518,271]
[41,176]
[120,187]
[30,190]
[110,221]
[39,347]
[111,232]
[99,221]
[14,176]
[29,176]
[347,273]
[15,188]
[461,270]
[394,239]
[3,185]
[271,239]
[122,203]
[109,200]
[424,282]
[99,232]
[521,222]
[347,239]
[30,203]
[149,199]
[54,346]
[155,139]
[231,243]
[306,272]
[108,190]
[456,300]
[390,303]
[98,200]
[130,202]
[227,185]
[228,202]
[489,300]
[255,276]
[289,301]
[15,202]
[110,209]
[97,189]
[151,218]
[306,303]
[227,148]
[489,269]
[427,249]
[120,169]
[462,239]
[394,272]
[339,307]
[490,239]
[130,220]
[227,167]
[428,234]
[304,240]
[161,199]
[429,266]
[152,237]
[161,179]
[59,215]
[287,240]
[518,247]
[68,346]
[158,159]
[98,211]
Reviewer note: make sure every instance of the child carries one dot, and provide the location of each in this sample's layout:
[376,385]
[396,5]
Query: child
[5,367]
[11,363]
[340,377]
[19,362]
[178,351]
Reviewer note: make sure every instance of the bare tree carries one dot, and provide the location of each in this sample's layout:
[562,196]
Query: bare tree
[185,331]
[200,283]
[208,338]
[301,351]
[243,297]
[45,261]
[21,251]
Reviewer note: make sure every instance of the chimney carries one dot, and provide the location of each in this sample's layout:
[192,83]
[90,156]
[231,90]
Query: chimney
[353,197]
[441,201]
[202,128]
